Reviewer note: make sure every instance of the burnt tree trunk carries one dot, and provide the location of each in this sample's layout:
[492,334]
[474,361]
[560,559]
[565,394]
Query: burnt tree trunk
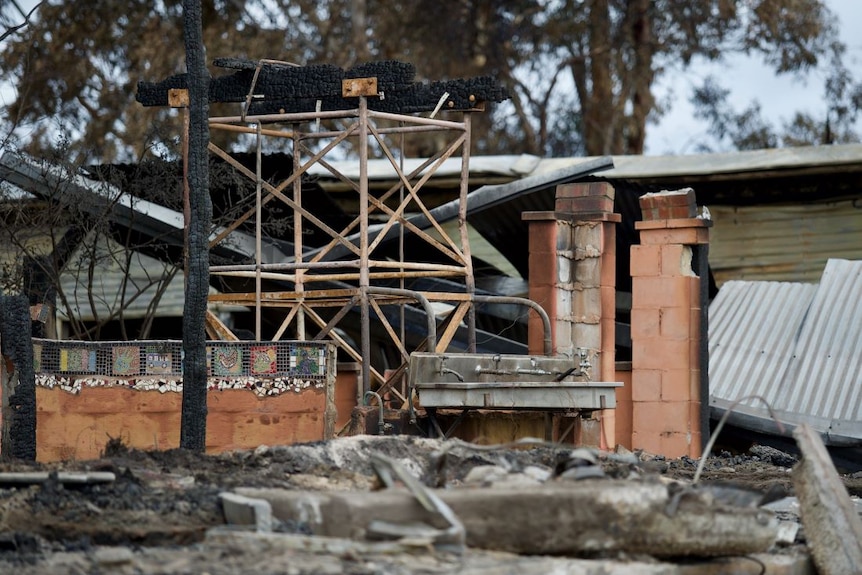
[19,389]
[598,110]
[193,426]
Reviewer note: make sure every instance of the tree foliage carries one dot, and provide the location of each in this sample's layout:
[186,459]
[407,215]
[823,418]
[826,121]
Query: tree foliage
[748,130]
[582,73]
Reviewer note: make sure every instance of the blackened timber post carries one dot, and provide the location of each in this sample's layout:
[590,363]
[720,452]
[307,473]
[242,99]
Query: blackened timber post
[194,403]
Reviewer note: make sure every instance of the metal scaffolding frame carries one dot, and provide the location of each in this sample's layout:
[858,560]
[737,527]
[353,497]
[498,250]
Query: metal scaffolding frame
[310,270]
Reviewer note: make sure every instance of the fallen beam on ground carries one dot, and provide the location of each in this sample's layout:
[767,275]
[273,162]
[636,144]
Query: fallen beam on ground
[832,526]
[17,478]
[561,519]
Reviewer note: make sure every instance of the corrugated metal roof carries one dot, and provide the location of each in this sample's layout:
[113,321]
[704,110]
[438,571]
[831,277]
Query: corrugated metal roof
[637,167]
[796,345]
[630,167]
[47,181]
[516,166]
[752,242]
[106,289]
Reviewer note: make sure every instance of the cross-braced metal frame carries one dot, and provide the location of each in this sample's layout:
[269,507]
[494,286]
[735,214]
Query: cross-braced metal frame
[349,259]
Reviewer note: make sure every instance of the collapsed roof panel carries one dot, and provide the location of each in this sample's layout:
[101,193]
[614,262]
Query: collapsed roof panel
[798,346]
[486,198]
[141,216]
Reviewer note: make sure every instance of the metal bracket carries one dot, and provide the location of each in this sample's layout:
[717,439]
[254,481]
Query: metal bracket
[355,87]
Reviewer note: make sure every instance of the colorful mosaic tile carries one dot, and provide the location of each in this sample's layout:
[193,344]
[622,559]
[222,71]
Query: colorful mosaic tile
[159,363]
[226,360]
[280,364]
[77,359]
[306,360]
[37,358]
[264,360]
[126,360]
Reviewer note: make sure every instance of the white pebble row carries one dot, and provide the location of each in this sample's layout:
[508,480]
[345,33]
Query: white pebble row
[261,387]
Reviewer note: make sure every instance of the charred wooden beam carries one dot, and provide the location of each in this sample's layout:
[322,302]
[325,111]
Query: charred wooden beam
[273,88]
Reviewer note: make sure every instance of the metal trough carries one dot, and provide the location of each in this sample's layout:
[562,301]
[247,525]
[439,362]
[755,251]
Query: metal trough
[476,381]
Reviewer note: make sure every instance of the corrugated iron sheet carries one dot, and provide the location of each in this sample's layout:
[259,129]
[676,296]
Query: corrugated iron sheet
[106,289]
[752,242]
[845,156]
[729,163]
[796,345]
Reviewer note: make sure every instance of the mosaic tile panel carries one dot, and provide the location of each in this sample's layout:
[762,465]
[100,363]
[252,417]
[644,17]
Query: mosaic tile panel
[286,363]
[264,360]
[159,363]
[307,360]
[78,359]
[126,360]
[37,358]
[226,360]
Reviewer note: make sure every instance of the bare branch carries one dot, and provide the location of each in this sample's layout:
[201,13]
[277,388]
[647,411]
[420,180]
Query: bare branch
[12,29]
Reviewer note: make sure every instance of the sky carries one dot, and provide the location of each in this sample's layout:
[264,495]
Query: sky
[779,97]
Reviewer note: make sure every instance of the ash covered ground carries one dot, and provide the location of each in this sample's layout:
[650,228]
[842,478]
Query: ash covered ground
[154,517]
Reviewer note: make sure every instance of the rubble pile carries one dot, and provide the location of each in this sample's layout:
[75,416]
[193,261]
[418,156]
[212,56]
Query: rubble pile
[398,504]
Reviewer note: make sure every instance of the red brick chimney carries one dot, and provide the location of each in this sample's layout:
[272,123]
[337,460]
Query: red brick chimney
[573,277]
[667,391]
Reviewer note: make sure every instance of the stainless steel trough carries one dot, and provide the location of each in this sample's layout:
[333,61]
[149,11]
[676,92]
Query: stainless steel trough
[476,381]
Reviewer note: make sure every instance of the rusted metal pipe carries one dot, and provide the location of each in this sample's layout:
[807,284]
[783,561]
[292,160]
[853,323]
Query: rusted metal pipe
[431,323]
[469,279]
[546,321]
[381,424]
[364,278]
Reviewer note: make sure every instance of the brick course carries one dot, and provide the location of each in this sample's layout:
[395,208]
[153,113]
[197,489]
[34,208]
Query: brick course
[666,326]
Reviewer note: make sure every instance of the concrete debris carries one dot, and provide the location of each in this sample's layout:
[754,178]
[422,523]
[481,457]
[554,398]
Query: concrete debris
[560,519]
[787,532]
[832,525]
[581,456]
[241,510]
[398,557]
[163,480]
[18,478]
[282,549]
[391,473]
[582,472]
[773,456]
[577,464]
[488,475]
[112,557]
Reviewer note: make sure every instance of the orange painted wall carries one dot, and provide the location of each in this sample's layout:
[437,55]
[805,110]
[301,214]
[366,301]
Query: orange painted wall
[346,383]
[77,426]
[622,415]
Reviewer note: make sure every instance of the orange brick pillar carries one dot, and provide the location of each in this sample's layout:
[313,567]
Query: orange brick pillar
[573,277]
[667,389]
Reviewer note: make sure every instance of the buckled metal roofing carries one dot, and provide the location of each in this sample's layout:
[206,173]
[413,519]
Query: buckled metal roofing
[798,346]
[729,164]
